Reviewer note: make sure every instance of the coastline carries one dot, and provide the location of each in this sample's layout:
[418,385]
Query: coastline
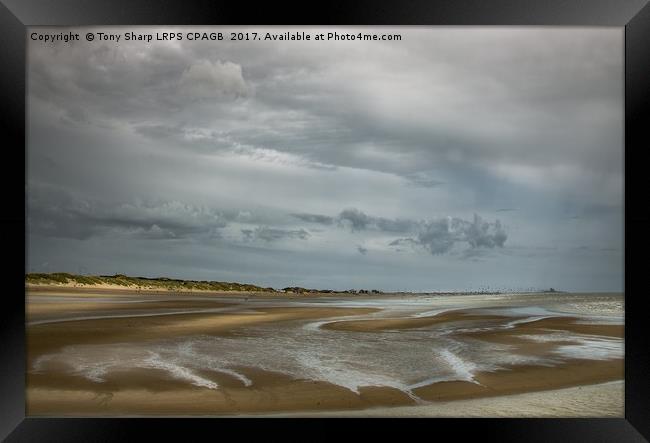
[113,289]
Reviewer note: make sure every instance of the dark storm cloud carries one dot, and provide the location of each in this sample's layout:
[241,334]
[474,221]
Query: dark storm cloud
[315,218]
[439,236]
[59,214]
[354,219]
[357,220]
[396,225]
[272,234]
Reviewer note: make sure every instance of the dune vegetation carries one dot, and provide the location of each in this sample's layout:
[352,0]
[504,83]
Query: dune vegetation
[62,278]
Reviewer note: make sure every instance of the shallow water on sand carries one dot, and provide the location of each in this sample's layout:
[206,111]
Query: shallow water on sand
[404,359]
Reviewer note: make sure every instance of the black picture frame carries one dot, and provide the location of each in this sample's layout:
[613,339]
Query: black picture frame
[17,15]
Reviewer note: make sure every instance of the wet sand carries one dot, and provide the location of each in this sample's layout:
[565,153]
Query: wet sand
[155,393]
[601,400]
[49,337]
[408,323]
[538,326]
[58,391]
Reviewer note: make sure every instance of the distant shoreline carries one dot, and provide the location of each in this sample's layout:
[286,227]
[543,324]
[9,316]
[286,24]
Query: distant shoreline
[112,289]
[34,289]
[120,283]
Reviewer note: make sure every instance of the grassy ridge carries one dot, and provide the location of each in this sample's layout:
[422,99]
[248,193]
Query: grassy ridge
[164,283]
[126,281]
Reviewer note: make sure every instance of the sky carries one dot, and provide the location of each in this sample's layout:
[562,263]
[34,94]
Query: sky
[454,159]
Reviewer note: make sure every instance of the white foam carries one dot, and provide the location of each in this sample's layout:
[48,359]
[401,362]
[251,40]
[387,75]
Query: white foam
[154,361]
[593,348]
[522,321]
[550,337]
[581,346]
[95,373]
[41,361]
[527,311]
[430,313]
[316,325]
[241,377]
[346,377]
[186,349]
[462,368]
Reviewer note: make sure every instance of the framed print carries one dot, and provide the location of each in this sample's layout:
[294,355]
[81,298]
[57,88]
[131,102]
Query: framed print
[420,211]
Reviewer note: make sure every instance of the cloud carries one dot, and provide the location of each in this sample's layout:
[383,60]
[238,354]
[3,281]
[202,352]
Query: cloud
[293,137]
[205,79]
[441,235]
[595,211]
[381,116]
[423,179]
[396,225]
[402,242]
[60,214]
[357,220]
[354,219]
[437,236]
[481,234]
[315,218]
[272,234]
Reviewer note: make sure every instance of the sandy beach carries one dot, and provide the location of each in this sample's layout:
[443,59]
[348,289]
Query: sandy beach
[109,353]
